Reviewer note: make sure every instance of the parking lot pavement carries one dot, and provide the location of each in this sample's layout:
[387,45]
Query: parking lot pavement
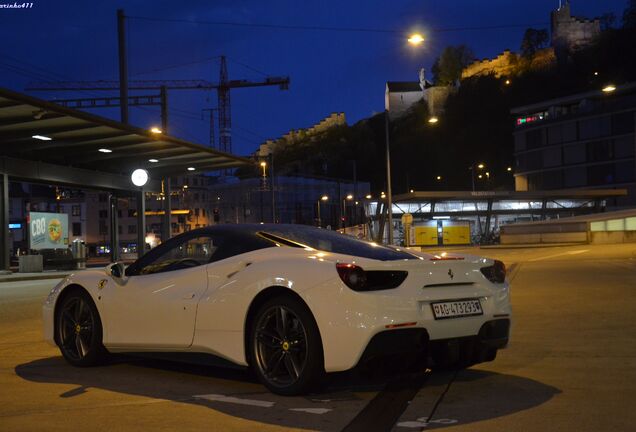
[570,366]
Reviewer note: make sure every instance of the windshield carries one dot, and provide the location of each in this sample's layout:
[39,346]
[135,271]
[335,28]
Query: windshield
[332,241]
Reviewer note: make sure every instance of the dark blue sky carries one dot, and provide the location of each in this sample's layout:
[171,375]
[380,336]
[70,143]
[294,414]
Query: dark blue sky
[330,71]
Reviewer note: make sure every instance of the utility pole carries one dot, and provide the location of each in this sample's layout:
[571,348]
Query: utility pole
[163,95]
[123,65]
[389,196]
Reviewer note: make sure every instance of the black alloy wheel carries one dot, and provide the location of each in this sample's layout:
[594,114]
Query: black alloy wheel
[286,350]
[79,330]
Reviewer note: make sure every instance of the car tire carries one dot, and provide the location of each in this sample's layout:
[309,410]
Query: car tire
[79,330]
[285,348]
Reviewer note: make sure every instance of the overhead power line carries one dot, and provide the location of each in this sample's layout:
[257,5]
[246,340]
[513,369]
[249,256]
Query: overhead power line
[332,28]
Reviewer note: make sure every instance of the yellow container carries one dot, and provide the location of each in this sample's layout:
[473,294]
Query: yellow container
[456,234]
[425,235]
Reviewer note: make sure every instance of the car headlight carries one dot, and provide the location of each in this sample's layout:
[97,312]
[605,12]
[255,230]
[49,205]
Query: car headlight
[50,299]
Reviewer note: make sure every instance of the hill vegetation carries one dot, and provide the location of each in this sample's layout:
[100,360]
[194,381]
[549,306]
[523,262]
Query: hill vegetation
[476,126]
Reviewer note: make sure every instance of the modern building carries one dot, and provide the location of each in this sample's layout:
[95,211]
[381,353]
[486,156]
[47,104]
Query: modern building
[296,200]
[463,217]
[584,140]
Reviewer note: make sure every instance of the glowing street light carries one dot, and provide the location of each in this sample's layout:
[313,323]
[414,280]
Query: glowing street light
[416,39]
[155,130]
[438,178]
[139,177]
[322,198]
[264,166]
[609,88]
[433,120]
[509,169]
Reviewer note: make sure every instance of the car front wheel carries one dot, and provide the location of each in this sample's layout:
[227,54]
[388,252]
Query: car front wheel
[285,347]
[79,330]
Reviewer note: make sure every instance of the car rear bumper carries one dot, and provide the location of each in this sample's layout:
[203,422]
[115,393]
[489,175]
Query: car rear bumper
[391,348]
[349,320]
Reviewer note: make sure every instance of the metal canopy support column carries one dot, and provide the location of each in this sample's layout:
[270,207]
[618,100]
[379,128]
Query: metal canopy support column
[141,223]
[544,205]
[488,216]
[167,215]
[114,229]
[4,223]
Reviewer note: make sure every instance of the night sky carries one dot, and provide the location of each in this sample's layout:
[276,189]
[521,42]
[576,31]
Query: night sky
[330,71]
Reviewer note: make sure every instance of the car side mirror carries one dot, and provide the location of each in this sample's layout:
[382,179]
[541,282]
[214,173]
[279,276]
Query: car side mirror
[117,270]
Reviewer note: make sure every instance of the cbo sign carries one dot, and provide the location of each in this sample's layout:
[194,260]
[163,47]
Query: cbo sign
[48,230]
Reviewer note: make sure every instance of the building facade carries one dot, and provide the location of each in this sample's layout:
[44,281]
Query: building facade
[585,140]
[295,200]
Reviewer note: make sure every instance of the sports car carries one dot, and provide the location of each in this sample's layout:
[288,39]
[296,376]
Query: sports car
[291,302]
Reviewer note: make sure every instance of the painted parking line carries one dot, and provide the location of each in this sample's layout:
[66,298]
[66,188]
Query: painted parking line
[312,410]
[258,403]
[235,400]
[576,252]
[423,422]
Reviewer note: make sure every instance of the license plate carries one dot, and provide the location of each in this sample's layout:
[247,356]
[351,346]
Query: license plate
[456,309]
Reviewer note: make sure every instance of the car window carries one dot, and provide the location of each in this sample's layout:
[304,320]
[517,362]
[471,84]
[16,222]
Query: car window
[331,241]
[190,253]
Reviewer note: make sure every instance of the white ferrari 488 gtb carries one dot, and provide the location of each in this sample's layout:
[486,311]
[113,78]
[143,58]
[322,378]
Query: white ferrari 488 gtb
[291,302]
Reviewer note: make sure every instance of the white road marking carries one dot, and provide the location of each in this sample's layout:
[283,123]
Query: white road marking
[576,252]
[312,410]
[235,400]
[421,422]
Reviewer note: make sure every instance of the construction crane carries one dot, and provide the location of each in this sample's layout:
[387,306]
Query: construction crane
[223,88]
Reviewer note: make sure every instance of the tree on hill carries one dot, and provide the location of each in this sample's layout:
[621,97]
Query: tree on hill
[449,65]
[533,40]
[629,15]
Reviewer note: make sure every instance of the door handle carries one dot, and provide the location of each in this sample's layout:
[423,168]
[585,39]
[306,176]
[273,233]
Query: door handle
[189,297]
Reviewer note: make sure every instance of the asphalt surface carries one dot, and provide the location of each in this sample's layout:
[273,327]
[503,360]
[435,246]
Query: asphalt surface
[570,366]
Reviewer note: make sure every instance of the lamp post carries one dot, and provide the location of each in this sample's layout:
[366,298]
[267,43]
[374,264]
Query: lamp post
[389,201]
[349,197]
[263,186]
[472,172]
[322,198]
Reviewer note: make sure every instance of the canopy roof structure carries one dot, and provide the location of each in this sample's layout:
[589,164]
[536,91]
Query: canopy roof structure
[42,141]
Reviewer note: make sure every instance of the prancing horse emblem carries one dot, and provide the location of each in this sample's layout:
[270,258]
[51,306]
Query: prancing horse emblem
[450,273]
[101,283]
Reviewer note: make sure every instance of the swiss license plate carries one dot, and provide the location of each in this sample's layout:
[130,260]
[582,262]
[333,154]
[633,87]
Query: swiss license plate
[456,309]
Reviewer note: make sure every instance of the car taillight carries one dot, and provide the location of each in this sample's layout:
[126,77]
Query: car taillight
[495,273]
[373,280]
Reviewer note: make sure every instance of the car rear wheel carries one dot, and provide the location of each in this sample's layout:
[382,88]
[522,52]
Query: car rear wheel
[79,330]
[285,347]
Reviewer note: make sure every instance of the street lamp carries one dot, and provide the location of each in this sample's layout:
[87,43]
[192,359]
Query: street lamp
[472,173]
[609,88]
[433,120]
[322,198]
[415,39]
